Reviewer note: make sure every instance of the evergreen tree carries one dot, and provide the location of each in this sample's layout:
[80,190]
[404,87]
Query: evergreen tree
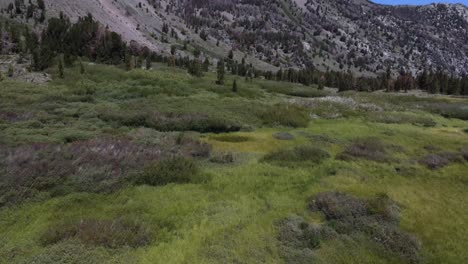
[231,55]
[128,61]
[203,35]
[1,76]
[41,4]
[11,70]
[206,65]
[195,68]
[220,72]
[82,69]
[148,63]
[234,86]
[60,68]
[321,83]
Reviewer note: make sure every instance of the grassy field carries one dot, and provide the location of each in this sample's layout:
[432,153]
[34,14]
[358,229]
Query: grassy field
[264,175]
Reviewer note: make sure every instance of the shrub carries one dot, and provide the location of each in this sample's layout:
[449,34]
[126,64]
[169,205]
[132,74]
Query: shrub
[98,165]
[365,148]
[449,110]
[168,122]
[170,170]
[440,160]
[231,138]
[223,158]
[293,89]
[286,115]
[68,252]
[107,233]
[283,136]
[401,118]
[298,239]
[464,152]
[297,154]
[377,218]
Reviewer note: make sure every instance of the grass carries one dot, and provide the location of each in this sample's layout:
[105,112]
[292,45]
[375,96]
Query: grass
[234,216]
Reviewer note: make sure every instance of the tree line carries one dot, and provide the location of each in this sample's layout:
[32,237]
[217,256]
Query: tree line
[87,38]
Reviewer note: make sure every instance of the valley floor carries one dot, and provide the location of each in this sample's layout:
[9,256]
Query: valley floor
[70,149]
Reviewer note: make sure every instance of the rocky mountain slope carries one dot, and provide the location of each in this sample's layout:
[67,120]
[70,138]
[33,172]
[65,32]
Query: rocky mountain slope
[355,35]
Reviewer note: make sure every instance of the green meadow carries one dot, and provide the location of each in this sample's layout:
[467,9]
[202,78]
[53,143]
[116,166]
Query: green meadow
[158,166]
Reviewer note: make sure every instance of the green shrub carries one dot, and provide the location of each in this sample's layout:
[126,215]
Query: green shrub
[107,233]
[464,152]
[376,218]
[449,110]
[69,252]
[167,122]
[283,136]
[401,118]
[286,115]
[439,160]
[223,158]
[297,155]
[170,170]
[365,148]
[231,138]
[297,240]
[293,89]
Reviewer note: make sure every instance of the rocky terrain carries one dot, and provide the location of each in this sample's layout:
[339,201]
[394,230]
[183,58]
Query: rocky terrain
[355,35]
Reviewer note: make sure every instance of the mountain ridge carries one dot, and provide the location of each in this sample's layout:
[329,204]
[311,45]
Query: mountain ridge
[341,35]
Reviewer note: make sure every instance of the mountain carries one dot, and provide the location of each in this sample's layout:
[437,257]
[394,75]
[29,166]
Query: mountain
[355,35]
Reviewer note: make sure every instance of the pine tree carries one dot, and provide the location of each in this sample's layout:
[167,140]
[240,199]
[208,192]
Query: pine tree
[231,55]
[220,72]
[128,61]
[60,68]
[82,69]
[321,83]
[195,68]
[1,76]
[11,70]
[203,35]
[206,65]
[148,63]
[40,4]
[234,86]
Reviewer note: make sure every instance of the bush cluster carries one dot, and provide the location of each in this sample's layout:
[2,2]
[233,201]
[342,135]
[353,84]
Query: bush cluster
[439,160]
[366,148]
[170,121]
[97,165]
[297,155]
[286,115]
[449,110]
[106,233]
[170,170]
[401,118]
[377,218]
[223,158]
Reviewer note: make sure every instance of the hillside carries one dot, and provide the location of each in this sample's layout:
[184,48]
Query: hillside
[336,35]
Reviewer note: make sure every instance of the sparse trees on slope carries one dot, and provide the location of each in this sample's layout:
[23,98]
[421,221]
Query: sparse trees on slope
[220,72]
